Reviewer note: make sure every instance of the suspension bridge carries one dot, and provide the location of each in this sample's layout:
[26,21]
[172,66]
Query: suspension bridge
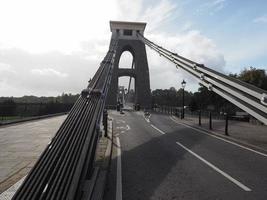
[156,157]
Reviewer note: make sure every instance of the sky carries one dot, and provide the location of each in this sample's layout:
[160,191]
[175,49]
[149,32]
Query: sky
[48,47]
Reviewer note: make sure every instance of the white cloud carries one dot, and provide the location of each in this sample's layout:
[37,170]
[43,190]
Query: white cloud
[187,26]
[211,7]
[5,67]
[192,45]
[55,46]
[42,26]
[34,73]
[261,19]
[129,10]
[219,4]
[216,5]
[49,72]
[159,14]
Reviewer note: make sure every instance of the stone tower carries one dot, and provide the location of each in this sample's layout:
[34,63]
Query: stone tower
[126,34]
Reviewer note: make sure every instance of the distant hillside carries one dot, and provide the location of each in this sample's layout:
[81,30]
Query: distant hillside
[64,98]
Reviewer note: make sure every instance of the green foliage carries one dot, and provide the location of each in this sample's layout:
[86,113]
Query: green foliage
[64,98]
[170,97]
[257,77]
[28,106]
[8,107]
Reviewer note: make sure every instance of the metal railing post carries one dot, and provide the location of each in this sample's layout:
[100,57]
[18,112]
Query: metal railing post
[210,122]
[226,124]
[199,117]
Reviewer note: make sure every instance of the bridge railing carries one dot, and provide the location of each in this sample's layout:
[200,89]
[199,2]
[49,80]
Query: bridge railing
[249,98]
[65,168]
[218,121]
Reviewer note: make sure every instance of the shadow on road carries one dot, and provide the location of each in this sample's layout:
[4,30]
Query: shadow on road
[155,167]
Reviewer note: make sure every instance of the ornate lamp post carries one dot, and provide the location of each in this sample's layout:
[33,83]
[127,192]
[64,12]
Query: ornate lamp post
[183,86]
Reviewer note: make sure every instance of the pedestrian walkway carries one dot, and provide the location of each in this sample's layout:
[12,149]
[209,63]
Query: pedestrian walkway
[247,133]
[21,145]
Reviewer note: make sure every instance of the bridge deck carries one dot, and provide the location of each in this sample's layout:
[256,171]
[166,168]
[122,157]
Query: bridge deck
[21,145]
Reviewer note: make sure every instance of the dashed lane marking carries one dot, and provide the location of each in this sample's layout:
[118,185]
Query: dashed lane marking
[230,142]
[239,184]
[157,129]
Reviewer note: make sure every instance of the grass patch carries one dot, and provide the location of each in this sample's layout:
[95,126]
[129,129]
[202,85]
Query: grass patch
[9,118]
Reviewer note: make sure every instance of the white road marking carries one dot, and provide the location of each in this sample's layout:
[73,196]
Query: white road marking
[157,129]
[118,184]
[230,142]
[128,127]
[146,118]
[120,127]
[209,164]
[239,184]
[120,121]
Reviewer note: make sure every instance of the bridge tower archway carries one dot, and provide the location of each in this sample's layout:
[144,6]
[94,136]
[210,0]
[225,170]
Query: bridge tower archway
[126,35]
[126,92]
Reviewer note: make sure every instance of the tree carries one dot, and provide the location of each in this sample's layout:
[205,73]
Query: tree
[256,77]
[204,98]
[8,108]
[193,105]
[170,97]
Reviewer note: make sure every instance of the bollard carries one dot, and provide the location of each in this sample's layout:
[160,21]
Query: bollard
[226,124]
[210,122]
[199,117]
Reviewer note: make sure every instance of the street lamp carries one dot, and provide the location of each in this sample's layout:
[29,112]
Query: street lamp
[183,86]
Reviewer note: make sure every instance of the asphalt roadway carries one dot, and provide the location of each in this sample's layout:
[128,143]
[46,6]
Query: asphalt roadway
[160,158]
